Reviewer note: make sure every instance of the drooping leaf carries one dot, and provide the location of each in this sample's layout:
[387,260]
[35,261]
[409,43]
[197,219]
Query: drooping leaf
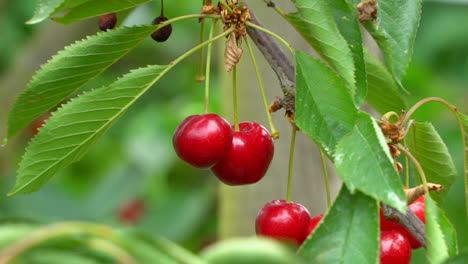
[363,162]
[324,107]
[313,21]
[395,32]
[382,91]
[45,9]
[72,130]
[249,251]
[348,25]
[463,122]
[440,233]
[69,70]
[430,150]
[349,233]
[96,8]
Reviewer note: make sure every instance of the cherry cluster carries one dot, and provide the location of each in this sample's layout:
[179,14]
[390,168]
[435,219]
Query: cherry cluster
[292,222]
[396,241]
[236,156]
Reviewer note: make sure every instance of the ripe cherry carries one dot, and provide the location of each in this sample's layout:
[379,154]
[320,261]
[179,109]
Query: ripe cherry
[249,156]
[314,223]
[131,211]
[394,248]
[107,21]
[163,33]
[283,221]
[202,140]
[418,208]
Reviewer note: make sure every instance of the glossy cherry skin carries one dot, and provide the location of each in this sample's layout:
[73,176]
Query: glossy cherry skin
[283,221]
[418,208]
[248,158]
[203,140]
[314,223]
[394,248]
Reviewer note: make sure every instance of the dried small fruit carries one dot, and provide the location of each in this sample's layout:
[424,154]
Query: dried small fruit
[163,33]
[107,21]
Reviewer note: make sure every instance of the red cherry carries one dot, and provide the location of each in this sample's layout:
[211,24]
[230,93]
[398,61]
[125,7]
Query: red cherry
[283,221]
[314,223]
[131,211]
[394,248]
[107,21]
[249,156]
[202,140]
[418,208]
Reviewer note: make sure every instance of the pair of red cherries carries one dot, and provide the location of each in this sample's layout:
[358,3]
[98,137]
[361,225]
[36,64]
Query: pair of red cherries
[292,222]
[235,157]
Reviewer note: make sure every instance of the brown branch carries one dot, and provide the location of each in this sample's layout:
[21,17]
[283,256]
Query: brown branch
[279,62]
[409,221]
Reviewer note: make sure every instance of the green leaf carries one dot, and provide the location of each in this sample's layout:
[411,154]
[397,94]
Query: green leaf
[249,251]
[156,249]
[9,232]
[395,32]
[463,122]
[363,162]
[324,107]
[440,233]
[46,8]
[70,69]
[461,259]
[348,25]
[382,91]
[73,129]
[349,233]
[313,21]
[96,8]
[430,150]
[56,256]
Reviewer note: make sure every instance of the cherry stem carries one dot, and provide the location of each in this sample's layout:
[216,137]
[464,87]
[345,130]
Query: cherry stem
[274,132]
[291,161]
[208,67]
[416,165]
[426,100]
[271,33]
[201,58]
[325,177]
[162,8]
[407,172]
[226,5]
[234,99]
[275,7]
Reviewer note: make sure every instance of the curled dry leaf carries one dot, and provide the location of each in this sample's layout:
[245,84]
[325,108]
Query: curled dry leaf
[367,10]
[414,193]
[232,53]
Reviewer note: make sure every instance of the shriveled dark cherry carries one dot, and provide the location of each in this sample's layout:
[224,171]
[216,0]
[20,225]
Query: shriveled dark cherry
[418,208]
[314,223]
[248,158]
[283,221]
[163,33]
[107,21]
[203,140]
[394,248]
[131,211]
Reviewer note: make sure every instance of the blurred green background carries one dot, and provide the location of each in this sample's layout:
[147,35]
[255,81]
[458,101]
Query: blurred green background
[135,160]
